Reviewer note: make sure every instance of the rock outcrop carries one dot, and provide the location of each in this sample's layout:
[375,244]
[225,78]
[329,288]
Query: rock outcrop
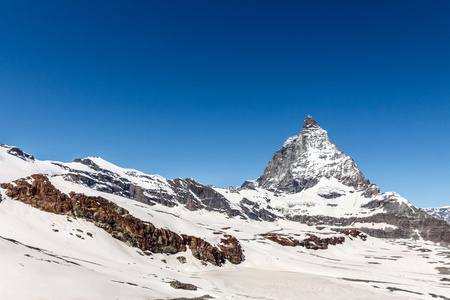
[154,188]
[421,225]
[38,192]
[18,153]
[312,242]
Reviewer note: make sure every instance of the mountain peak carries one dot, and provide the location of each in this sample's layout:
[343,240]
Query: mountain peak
[304,159]
[310,123]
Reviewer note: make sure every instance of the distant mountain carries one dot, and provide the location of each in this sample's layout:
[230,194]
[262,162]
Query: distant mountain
[441,213]
[308,180]
[121,233]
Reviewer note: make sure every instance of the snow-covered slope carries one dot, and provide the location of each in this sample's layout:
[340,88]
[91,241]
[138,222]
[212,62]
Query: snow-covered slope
[441,213]
[50,256]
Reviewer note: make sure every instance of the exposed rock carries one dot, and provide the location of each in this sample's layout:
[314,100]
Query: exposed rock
[38,192]
[255,212]
[310,123]
[405,227]
[312,242]
[170,192]
[195,298]
[18,153]
[332,195]
[189,190]
[354,233]
[181,259]
[229,249]
[112,218]
[183,286]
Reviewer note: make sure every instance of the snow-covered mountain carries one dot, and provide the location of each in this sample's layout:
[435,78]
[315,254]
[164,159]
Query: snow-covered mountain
[312,217]
[441,213]
[305,159]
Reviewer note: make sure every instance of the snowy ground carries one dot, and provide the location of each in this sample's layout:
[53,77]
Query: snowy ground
[48,256]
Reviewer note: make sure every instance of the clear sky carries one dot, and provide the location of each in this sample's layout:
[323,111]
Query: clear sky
[211,89]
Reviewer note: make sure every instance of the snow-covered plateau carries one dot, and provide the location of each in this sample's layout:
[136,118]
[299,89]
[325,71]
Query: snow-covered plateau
[310,227]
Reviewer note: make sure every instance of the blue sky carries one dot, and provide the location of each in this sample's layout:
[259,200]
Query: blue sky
[211,89]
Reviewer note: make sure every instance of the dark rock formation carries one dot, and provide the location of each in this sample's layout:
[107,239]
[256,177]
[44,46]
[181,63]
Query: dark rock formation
[255,212]
[182,259]
[195,298]
[407,227]
[18,153]
[183,286]
[228,249]
[187,192]
[117,221]
[312,242]
[231,249]
[354,233]
[310,123]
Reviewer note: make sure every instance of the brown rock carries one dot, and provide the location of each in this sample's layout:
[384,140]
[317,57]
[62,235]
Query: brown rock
[312,242]
[354,233]
[117,221]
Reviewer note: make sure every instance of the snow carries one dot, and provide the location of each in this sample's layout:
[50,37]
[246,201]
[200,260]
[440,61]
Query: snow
[12,167]
[270,271]
[309,201]
[442,213]
[43,258]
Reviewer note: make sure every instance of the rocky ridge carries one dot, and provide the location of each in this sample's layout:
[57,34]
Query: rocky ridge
[148,189]
[309,180]
[38,192]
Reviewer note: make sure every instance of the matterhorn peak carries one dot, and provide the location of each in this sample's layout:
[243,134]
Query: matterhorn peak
[307,158]
[310,123]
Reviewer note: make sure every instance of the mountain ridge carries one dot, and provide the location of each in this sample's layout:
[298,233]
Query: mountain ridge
[308,180]
[123,234]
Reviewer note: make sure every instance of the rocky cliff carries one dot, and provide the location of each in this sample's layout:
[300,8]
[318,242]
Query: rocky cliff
[38,192]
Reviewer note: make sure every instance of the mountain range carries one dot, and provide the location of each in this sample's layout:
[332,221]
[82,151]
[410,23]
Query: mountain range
[124,234]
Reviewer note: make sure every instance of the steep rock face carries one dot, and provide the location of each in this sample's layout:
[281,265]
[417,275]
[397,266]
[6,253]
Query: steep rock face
[304,159]
[38,192]
[149,189]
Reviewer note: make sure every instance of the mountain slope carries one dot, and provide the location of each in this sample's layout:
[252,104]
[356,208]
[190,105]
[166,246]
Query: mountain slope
[309,180]
[441,213]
